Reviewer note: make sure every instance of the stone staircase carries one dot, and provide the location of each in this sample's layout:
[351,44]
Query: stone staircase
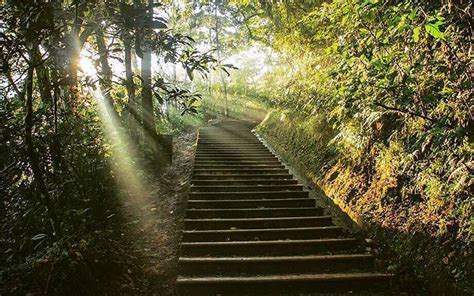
[252,229]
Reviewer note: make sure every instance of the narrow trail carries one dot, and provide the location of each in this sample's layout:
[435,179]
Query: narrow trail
[252,229]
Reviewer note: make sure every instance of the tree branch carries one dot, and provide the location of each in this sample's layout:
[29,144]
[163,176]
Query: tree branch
[415,114]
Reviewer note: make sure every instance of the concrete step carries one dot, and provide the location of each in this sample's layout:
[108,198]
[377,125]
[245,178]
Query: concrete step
[218,128]
[245,182]
[236,150]
[270,161]
[218,133]
[217,149]
[253,212]
[202,140]
[233,153]
[241,176]
[251,203]
[240,166]
[241,144]
[284,284]
[223,146]
[230,134]
[226,139]
[223,159]
[235,157]
[245,188]
[255,195]
[253,147]
[311,232]
[268,248]
[274,265]
[240,140]
[233,150]
[239,171]
[251,229]
[257,223]
[226,136]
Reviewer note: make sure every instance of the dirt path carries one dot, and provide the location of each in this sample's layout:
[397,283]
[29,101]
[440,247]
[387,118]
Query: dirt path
[155,222]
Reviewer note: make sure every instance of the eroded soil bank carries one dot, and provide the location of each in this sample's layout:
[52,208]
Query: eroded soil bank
[403,232]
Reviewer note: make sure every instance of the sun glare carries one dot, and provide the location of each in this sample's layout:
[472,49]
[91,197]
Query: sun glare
[87,66]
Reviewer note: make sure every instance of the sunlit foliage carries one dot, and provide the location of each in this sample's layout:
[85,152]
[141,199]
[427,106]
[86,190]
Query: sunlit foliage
[377,99]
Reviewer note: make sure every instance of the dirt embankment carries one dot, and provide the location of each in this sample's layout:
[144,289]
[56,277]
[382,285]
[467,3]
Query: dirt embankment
[403,229]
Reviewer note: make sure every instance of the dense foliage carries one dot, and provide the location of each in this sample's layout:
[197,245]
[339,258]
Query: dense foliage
[72,97]
[379,107]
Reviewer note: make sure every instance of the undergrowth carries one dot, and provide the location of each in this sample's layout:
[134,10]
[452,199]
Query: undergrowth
[424,238]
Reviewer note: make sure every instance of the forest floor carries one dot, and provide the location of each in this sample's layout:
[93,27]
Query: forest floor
[154,224]
[133,250]
[130,247]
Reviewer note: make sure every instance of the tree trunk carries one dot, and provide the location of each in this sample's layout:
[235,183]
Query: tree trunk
[46,92]
[210,72]
[105,73]
[148,116]
[30,150]
[130,118]
[56,150]
[224,86]
[218,45]
[77,41]
[147,100]
[129,76]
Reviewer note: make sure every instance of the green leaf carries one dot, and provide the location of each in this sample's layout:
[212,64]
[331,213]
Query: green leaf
[331,49]
[412,14]
[416,34]
[433,30]
[379,34]
[344,20]
[39,236]
[189,71]
[159,98]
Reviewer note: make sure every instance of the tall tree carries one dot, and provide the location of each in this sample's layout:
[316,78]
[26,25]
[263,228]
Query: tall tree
[219,53]
[148,115]
[127,45]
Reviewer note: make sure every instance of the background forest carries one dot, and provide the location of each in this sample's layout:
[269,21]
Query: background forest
[371,99]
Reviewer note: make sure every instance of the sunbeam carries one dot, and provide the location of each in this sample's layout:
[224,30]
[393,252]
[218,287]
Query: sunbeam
[123,159]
